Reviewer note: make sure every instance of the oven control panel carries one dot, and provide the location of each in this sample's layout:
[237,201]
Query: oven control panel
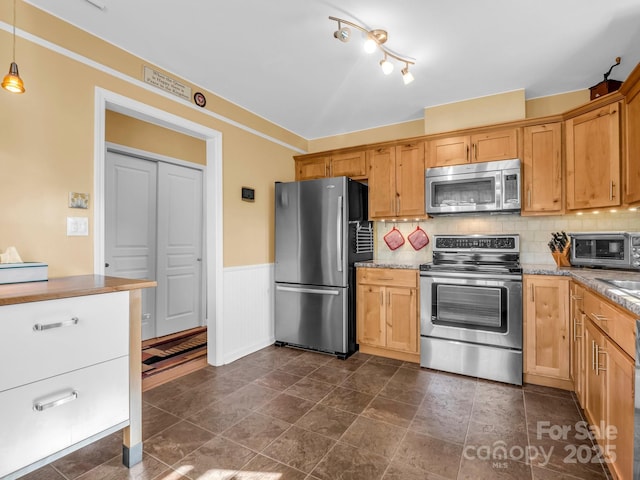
[477,242]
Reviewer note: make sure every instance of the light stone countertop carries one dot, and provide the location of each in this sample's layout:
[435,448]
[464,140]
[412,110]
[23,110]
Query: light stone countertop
[587,276]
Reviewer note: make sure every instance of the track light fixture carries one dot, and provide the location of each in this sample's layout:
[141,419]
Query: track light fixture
[12,81]
[375,40]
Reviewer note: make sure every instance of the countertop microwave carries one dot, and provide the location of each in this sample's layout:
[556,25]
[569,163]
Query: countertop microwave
[487,187]
[606,249]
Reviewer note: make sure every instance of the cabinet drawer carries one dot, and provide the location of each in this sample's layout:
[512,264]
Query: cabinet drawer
[100,401]
[39,348]
[620,326]
[388,277]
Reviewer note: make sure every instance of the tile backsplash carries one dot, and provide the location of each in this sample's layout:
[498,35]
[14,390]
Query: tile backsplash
[535,232]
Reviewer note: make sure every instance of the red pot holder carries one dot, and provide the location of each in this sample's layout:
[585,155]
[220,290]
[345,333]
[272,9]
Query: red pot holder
[418,238]
[394,239]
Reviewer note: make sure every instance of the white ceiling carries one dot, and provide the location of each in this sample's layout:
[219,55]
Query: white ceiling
[279,58]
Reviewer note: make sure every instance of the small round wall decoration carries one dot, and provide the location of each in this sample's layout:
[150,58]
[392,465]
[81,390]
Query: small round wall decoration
[199,99]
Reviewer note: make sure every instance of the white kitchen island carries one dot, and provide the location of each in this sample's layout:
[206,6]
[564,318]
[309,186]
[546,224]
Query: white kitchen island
[71,368]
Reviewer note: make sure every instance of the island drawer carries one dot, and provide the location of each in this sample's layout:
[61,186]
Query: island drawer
[50,415]
[48,338]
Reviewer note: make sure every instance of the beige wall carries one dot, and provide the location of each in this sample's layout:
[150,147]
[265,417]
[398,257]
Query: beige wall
[134,133]
[414,128]
[503,107]
[554,104]
[46,149]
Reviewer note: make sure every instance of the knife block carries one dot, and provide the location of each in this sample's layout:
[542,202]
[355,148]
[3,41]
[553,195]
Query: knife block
[562,258]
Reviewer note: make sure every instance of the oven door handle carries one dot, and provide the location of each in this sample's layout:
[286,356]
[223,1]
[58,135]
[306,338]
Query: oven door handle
[472,275]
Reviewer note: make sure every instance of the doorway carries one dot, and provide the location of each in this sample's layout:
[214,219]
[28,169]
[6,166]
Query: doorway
[154,229]
[213,248]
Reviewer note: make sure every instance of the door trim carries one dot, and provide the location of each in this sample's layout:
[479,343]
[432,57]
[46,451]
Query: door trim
[213,246]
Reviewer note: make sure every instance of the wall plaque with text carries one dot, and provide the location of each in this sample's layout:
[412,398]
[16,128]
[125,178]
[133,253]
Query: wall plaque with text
[168,84]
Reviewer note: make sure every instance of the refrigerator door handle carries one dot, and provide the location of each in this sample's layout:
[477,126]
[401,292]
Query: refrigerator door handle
[308,290]
[339,230]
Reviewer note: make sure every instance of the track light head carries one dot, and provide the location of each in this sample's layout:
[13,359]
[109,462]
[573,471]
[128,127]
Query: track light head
[386,65]
[407,77]
[343,34]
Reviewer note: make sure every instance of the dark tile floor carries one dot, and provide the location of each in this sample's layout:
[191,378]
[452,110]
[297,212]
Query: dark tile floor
[284,414]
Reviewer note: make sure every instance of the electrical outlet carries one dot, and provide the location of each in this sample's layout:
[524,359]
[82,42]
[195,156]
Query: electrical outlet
[77,226]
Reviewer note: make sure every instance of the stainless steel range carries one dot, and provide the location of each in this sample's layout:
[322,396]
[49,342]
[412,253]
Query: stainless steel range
[471,307]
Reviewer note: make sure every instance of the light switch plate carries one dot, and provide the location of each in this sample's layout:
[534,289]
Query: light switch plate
[77,226]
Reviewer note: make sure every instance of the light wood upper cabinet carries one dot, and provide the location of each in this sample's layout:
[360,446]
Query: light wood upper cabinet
[593,158]
[387,313]
[350,164]
[542,169]
[444,152]
[631,169]
[546,331]
[396,181]
[382,182]
[310,168]
[479,147]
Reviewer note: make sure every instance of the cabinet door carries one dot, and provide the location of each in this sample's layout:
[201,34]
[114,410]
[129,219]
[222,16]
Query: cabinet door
[578,319]
[593,158]
[547,326]
[542,169]
[371,329]
[410,179]
[310,168]
[444,152]
[620,374]
[402,319]
[382,183]
[500,145]
[632,154]
[353,165]
[595,377]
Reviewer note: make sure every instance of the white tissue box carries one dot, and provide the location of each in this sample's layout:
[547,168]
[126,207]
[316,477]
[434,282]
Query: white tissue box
[23,272]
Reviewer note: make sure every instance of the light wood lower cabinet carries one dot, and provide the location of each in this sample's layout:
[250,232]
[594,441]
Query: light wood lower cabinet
[578,320]
[387,313]
[606,376]
[546,331]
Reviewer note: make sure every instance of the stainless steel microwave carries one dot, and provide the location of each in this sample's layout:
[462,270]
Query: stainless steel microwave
[606,249]
[487,187]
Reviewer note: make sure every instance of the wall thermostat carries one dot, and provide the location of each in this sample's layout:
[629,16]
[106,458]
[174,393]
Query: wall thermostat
[248,194]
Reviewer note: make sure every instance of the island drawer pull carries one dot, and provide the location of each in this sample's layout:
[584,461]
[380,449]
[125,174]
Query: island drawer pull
[39,407]
[39,327]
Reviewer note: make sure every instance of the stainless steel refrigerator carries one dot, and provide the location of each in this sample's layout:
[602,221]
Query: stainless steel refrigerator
[321,229]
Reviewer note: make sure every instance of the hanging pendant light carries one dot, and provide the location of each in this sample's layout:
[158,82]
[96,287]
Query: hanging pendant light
[12,81]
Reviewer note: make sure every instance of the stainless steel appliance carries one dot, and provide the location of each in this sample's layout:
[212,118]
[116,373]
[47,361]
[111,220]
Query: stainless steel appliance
[487,187]
[606,249]
[321,230]
[471,307]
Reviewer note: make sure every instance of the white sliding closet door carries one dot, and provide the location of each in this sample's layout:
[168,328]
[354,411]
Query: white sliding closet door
[180,208]
[154,230]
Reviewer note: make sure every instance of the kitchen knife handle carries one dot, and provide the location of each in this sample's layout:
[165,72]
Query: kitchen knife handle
[339,231]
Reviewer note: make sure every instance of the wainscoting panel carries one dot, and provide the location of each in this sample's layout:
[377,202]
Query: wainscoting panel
[247,323]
